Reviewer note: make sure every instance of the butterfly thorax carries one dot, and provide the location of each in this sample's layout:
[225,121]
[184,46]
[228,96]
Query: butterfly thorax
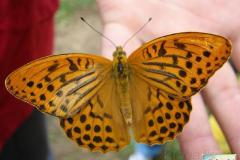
[121,75]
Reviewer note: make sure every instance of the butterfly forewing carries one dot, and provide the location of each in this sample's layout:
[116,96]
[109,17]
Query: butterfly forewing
[60,84]
[180,64]
[99,125]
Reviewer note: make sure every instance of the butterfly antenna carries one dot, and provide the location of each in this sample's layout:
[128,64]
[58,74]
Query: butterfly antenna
[98,32]
[137,32]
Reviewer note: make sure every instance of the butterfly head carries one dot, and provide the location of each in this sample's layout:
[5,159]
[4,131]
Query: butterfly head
[119,52]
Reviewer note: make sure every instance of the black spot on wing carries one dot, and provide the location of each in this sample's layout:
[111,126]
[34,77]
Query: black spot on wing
[87,63]
[179,44]
[148,54]
[30,83]
[47,79]
[154,47]
[39,85]
[53,67]
[206,53]
[162,51]
[50,88]
[72,66]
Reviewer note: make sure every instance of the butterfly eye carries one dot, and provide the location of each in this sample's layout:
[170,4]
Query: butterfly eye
[123,53]
[115,53]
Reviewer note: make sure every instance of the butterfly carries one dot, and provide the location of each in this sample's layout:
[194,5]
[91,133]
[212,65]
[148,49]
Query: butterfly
[98,101]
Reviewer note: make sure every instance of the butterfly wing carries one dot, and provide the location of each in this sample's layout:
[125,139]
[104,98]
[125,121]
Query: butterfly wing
[164,74]
[180,64]
[157,117]
[59,84]
[99,125]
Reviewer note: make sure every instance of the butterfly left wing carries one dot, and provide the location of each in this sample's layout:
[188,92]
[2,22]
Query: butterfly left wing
[60,84]
[99,125]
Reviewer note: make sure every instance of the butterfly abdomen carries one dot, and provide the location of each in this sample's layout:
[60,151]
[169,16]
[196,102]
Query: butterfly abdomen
[121,75]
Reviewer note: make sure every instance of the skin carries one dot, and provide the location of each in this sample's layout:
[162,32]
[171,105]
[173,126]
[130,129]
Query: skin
[222,95]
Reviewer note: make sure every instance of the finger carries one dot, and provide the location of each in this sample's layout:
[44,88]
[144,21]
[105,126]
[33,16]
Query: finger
[222,96]
[118,34]
[107,8]
[196,138]
[236,53]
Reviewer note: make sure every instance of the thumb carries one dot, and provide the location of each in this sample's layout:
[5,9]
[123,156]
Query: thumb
[235,57]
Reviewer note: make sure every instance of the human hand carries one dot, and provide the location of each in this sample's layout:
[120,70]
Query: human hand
[222,96]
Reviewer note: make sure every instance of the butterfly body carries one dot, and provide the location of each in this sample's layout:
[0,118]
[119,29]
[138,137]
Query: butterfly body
[97,100]
[121,76]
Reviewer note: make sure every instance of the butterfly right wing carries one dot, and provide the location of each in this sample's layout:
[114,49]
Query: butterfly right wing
[99,125]
[59,85]
[164,74]
[180,64]
[157,117]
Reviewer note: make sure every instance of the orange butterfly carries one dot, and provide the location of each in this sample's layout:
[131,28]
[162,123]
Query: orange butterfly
[98,100]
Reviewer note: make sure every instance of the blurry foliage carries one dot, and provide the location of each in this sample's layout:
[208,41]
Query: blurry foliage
[219,135]
[127,151]
[68,7]
[172,151]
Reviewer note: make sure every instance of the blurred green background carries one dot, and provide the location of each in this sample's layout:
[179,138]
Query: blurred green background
[67,9]
[73,36]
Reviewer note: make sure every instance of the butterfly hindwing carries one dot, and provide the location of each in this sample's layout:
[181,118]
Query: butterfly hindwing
[157,117]
[99,125]
[180,64]
[59,84]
